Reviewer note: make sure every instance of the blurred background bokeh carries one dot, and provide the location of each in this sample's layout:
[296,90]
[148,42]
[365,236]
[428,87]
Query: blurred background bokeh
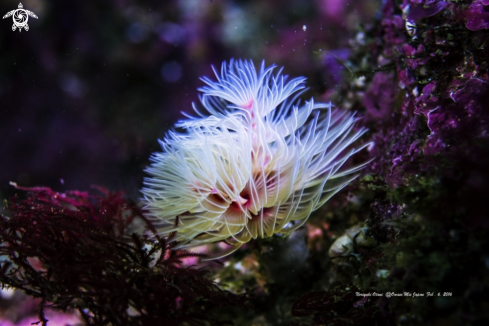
[86,93]
[88,90]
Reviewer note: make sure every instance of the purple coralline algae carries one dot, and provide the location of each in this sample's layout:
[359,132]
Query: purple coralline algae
[424,97]
[434,104]
[478,15]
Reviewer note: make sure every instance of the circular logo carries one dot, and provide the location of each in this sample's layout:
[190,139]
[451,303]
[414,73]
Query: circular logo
[20,17]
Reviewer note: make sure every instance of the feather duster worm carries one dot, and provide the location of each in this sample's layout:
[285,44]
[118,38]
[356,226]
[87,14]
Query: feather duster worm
[256,164]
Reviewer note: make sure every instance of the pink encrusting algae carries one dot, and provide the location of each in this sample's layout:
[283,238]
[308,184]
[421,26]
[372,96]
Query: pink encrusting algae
[257,164]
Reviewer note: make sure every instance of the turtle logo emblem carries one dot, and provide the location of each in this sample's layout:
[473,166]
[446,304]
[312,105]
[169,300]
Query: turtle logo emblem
[20,17]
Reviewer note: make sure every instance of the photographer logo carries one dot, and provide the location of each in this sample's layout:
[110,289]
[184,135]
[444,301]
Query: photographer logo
[20,17]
